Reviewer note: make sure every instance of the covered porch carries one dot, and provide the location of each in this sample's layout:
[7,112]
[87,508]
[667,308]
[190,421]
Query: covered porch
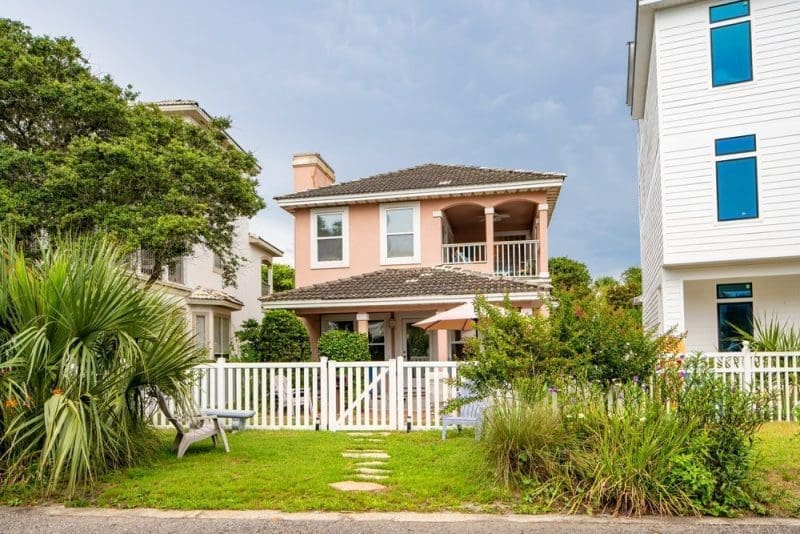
[386,304]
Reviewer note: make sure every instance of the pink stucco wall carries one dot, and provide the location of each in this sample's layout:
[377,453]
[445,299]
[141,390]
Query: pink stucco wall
[364,237]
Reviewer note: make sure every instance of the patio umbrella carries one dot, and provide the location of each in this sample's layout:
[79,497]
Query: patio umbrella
[459,318]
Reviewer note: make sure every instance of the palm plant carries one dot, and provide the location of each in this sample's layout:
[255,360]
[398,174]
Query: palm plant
[770,335]
[82,344]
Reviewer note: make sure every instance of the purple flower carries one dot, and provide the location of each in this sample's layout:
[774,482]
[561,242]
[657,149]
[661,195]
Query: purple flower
[636,378]
[682,373]
[552,390]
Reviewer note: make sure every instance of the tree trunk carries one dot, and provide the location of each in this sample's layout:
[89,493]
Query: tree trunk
[158,270]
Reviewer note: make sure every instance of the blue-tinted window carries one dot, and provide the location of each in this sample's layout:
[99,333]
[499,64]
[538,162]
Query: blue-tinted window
[731,54]
[737,189]
[735,145]
[734,291]
[729,11]
[730,316]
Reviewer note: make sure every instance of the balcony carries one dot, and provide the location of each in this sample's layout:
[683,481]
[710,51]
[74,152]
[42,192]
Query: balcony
[511,258]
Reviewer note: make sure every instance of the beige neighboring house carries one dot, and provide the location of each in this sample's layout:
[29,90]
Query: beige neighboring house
[216,311]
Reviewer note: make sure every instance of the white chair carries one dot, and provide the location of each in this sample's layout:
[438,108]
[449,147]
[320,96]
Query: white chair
[471,414]
[200,428]
[287,394]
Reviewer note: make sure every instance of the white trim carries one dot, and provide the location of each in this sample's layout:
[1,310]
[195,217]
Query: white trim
[409,194]
[362,317]
[395,301]
[345,261]
[416,257]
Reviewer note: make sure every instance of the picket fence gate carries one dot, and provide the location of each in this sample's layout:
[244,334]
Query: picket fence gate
[328,395]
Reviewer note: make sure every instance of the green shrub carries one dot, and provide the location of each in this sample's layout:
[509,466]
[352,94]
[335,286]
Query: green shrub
[280,337]
[84,345]
[344,346]
[583,337]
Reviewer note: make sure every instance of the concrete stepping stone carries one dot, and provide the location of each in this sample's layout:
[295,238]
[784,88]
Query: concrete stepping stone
[371,471]
[361,454]
[376,463]
[372,477]
[365,450]
[360,434]
[351,485]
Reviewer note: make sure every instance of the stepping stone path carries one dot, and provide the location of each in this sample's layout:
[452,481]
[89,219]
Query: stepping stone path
[371,469]
[349,485]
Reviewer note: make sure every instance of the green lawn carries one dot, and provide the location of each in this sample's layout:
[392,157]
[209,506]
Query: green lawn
[778,449]
[291,471]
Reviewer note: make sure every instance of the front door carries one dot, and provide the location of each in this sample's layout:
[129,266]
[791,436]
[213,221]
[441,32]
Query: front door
[417,344]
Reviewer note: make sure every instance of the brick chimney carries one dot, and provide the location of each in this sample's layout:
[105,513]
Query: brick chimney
[311,172]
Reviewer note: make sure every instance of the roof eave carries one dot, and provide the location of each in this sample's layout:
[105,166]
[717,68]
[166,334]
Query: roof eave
[266,246]
[289,204]
[299,304]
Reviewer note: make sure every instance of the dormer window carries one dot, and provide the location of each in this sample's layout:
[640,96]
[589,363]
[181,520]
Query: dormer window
[400,240]
[329,238]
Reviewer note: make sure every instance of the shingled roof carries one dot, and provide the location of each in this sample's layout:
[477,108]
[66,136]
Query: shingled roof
[427,176]
[414,282]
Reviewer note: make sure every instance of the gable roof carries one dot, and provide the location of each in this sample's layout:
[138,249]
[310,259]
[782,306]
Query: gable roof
[430,179]
[428,282]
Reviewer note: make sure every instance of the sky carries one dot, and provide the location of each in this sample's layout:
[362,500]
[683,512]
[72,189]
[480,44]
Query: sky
[376,86]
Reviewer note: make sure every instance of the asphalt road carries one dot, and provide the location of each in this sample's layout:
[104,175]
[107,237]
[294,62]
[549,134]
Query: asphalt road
[84,521]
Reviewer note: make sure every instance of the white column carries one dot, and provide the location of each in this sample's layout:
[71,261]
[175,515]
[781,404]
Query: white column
[489,212]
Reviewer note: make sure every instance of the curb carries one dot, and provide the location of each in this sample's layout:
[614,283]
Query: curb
[399,517]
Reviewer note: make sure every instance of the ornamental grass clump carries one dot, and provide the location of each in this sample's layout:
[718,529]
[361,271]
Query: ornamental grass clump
[684,448]
[82,346]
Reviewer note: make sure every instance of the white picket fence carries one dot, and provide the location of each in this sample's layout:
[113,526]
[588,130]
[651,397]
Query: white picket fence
[401,395]
[774,373]
[328,395]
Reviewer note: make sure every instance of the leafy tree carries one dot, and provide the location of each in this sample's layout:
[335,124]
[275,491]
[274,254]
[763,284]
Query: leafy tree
[280,337]
[78,154]
[282,276]
[621,295]
[344,346]
[569,274]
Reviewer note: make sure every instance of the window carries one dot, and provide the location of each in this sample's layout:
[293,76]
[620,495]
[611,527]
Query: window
[377,340]
[348,326]
[734,291]
[200,335]
[729,11]
[737,179]
[400,233]
[222,336]
[457,341]
[734,313]
[329,238]
[731,44]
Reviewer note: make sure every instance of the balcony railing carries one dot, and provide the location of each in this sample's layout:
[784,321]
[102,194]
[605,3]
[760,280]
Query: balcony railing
[511,258]
[515,258]
[458,253]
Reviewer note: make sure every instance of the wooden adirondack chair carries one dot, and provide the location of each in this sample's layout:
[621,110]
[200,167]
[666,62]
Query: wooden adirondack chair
[200,428]
[471,414]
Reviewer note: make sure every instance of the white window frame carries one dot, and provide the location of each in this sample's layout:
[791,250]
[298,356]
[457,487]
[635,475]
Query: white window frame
[345,261]
[415,258]
[228,334]
[206,329]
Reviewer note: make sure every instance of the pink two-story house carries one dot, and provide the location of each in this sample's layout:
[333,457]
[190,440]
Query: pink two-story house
[378,254]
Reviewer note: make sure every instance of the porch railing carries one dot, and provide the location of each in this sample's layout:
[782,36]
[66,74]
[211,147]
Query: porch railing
[456,253]
[515,258]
